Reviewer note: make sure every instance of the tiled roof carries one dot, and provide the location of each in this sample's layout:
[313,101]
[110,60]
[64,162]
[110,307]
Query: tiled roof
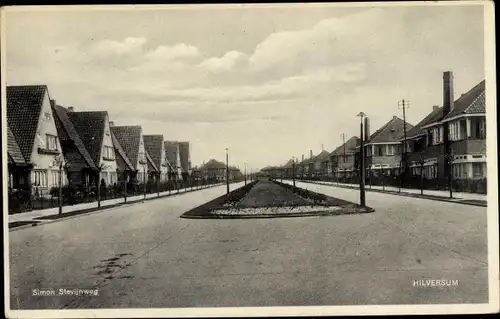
[289,164]
[153,145]
[15,155]
[150,163]
[472,102]
[432,117]
[122,160]
[350,147]
[184,156]
[24,104]
[171,149]
[67,131]
[392,131]
[323,156]
[90,127]
[129,138]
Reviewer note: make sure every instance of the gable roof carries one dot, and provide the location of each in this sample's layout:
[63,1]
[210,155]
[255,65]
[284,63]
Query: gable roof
[151,165]
[472,102]
[432,117]
[24,104]
[153,145]
[171,149]
[90,127]
[15,155]
[184,155]
[67,132]
[122,160]
[129,138]
[392,131]
[323,156]
[350,147]
[289,164]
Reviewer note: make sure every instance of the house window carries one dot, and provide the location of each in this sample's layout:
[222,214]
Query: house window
[390,150]
[51,142]
[379,151]
[109,152]
[39,178]
[478,170]
[430,171]
[46,115]
[460,170]
[54,180]
[454,131]
[481,129]
[437,135]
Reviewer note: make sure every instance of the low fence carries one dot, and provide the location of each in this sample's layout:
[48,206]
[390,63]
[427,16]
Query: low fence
[478,186]
[36,199]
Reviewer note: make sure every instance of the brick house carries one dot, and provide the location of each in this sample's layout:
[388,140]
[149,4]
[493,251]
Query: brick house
[80,167]
[383,149]
[155,147]
[214,170]
[461,124]
[131,141]
[173,156]
[31,122]
[343,158]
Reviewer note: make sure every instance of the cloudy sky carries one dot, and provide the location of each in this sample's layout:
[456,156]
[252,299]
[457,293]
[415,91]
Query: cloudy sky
[268,82]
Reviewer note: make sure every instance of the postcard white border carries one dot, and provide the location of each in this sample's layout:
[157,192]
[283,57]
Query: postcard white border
[492,218]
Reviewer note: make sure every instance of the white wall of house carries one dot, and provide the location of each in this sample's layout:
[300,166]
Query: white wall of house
[108,157]
[46,172]
[163,164]
[141,164]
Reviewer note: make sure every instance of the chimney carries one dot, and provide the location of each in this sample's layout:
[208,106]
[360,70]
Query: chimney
[394,117]
[53,102]
[448,97]
[70,108]
[302,157]
[111,123]
[435,107]
[310,154]
[367,129]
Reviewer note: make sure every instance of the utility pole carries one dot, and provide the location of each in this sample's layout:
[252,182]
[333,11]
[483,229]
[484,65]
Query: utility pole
[404,105]
[227,170]
[362,164]
[293,171]
[343,143]
[245,173]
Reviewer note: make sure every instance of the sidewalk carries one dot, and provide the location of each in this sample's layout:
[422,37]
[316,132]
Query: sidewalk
[38,216]
[462,198]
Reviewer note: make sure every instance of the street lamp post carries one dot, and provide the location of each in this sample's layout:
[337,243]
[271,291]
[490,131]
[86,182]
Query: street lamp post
[59,161]
[422,175]
[245,173]
[293,171]
[450,172]
[227,170]
[362,163]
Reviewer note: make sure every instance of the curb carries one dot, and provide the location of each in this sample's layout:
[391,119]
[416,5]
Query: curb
[77,213]
[405,194]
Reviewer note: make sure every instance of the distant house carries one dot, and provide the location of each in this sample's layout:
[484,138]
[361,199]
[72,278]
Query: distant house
[343,158]
[155,147]
[19,169]
[131,141]
[80,166]
[173,156]
[153,171]
[461,124]
[31,122]
[125,169]
[383,148]
[94,129]
[185,159]
[214,170]
[322,164]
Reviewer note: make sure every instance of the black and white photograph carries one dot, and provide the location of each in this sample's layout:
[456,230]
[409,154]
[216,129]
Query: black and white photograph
[249,159]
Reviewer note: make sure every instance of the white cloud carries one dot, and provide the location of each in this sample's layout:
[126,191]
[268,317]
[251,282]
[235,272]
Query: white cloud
[111,47]
[224,63]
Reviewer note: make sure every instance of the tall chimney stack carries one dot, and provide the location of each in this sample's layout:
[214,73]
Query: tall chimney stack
[310,154]
[448,96]
[302,157]
[367,129]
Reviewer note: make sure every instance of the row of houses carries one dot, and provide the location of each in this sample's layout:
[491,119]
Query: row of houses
[451,139]
[49,144]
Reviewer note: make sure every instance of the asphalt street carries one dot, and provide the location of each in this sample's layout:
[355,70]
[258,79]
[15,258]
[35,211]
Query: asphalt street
[144,255]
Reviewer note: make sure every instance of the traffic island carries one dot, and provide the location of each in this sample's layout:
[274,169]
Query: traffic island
[271,199]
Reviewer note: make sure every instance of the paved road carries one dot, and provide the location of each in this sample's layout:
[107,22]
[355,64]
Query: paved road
[145,256]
